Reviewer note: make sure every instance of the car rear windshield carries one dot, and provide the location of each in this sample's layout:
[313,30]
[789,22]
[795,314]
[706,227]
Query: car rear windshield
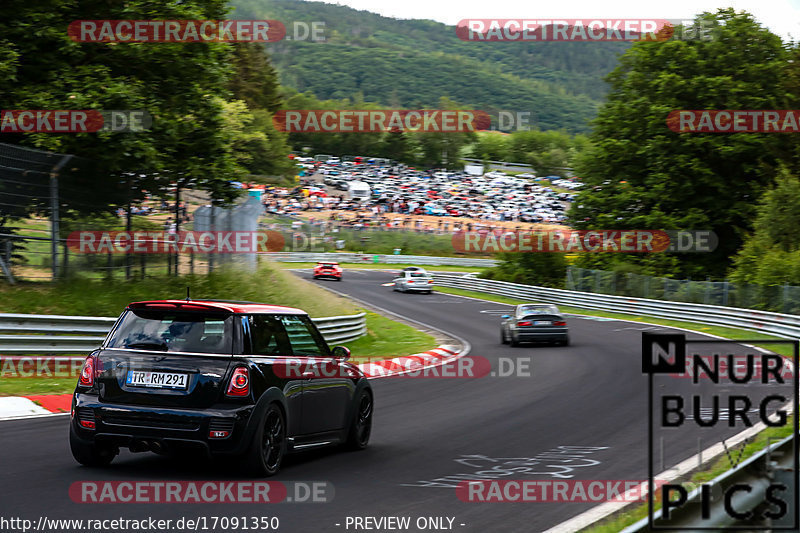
[170,331]
[539,310]
[418,275]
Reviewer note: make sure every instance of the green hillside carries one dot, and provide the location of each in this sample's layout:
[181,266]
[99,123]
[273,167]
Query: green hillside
[412,63]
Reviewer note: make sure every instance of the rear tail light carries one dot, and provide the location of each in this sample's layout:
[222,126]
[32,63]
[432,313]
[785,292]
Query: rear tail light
[431,281]
[240,383]
[87,373]
[559,323]
[525,323]
[411,281]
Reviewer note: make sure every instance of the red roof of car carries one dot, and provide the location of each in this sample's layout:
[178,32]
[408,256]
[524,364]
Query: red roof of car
[217,305]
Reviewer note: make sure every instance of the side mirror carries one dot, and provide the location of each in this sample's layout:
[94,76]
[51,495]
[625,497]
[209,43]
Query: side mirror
[341,353]
[505,316]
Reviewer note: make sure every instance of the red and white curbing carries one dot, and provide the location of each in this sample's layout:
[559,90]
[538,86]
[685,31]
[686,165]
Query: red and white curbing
[410,363]
[12,407]
[15,407]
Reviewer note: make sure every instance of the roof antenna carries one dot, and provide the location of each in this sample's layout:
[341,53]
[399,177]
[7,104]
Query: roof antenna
[187,294]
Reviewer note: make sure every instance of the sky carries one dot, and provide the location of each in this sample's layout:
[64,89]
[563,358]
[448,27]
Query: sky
[780,16]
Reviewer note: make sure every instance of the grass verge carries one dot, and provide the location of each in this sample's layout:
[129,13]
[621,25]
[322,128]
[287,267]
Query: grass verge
[621,520]
[28,386]
[386,338]
[108,298]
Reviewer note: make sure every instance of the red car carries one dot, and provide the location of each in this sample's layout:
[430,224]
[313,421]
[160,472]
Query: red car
[328,269]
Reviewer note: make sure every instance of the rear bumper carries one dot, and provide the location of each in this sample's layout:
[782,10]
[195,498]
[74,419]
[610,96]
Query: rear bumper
[540,336]
[420,288]
[140,426]
[327,275]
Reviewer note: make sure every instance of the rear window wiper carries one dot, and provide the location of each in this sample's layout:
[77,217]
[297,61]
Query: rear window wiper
[148,345]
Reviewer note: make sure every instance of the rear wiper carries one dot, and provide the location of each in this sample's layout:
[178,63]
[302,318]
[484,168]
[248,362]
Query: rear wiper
[148,345]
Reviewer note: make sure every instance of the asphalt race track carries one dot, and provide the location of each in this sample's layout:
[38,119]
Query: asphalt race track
[591,396]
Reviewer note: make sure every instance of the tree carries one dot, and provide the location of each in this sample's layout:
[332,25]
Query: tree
[255,80]
[395,145]
[443,149]
[641,175]
[491,146]
[255,144]
[771,254]
[546,269]
[172,82]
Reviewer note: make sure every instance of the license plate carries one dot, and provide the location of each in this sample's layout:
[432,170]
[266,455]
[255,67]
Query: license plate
[157,380]
[542,323]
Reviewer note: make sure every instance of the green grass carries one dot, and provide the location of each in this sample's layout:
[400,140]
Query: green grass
[385,338]
[621,520]
[36,253]
[108,298]
[28,386]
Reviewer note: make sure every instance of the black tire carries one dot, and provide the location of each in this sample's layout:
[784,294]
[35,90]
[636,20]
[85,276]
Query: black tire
[316,277]
[565,342]
[361,426]
[514,342]
[90,454]
[265,455]
[503,339]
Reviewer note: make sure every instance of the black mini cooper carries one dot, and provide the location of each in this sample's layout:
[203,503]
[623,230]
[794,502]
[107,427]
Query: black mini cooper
[227,378]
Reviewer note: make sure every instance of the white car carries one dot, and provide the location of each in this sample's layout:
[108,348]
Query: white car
[413,281]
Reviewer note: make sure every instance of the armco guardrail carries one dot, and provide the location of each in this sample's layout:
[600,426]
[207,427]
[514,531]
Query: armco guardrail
[772,463]
[337,329]
[388,259]
[34,334]
[777,324]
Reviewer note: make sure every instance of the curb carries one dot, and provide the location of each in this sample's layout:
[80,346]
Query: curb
[397,366]
[16,407]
